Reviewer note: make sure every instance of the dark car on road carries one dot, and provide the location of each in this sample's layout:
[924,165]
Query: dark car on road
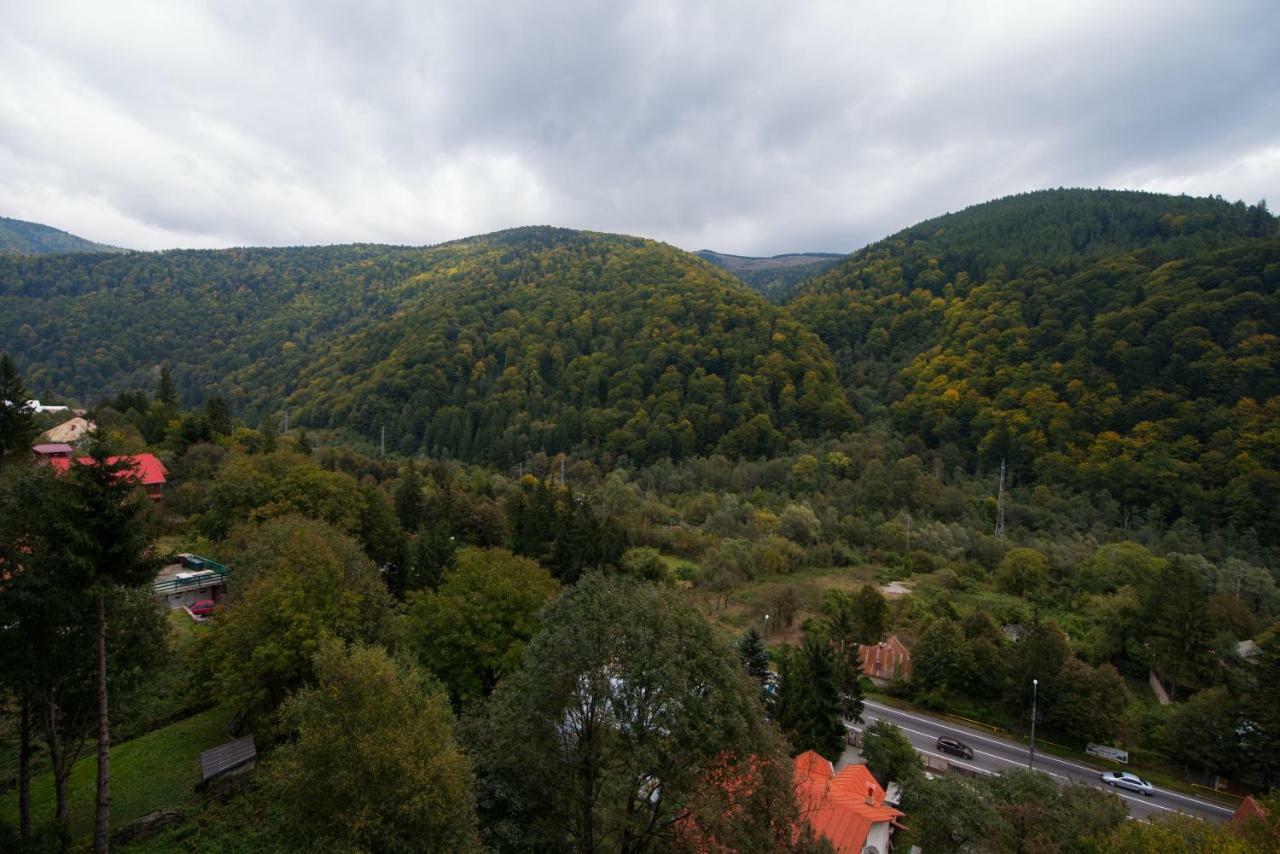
[955,748]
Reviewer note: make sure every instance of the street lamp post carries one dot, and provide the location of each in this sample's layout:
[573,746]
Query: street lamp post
[766,625]
[1035,683]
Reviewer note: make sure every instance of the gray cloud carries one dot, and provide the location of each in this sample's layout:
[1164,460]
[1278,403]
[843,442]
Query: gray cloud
[748,127]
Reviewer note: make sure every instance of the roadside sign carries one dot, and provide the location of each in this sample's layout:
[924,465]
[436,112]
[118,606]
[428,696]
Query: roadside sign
[1107,752]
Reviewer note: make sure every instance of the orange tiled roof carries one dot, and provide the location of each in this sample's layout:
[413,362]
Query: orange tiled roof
[147,468]
[886,659]
[840,807]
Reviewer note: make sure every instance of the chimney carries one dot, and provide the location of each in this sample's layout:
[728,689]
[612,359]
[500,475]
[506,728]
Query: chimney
[871,795]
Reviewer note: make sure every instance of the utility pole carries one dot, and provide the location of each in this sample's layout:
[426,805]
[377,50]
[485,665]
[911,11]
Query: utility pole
[1000,504]
[562,472]
[908,542]
[286,422]
[1035,686]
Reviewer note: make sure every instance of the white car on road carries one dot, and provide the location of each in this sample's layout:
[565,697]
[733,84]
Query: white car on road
[1125,780]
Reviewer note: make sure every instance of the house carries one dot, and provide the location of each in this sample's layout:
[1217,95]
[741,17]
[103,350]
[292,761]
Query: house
[145,468]
[190,580]
[70,431]
[848,809]
[49,451]
[885,661]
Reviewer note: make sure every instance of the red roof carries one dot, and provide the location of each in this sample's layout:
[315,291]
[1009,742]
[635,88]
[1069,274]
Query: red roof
[842,807]
[886,660]
[1248,809]
[147,468]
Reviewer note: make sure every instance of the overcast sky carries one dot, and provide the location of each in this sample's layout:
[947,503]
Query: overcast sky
[752,128]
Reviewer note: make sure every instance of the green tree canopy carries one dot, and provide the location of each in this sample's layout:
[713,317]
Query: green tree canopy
[475,627]
[373,765]
[625,710]
[294,582]
[890,756]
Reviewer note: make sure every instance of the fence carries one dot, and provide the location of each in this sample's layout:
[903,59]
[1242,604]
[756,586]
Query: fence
[209,572]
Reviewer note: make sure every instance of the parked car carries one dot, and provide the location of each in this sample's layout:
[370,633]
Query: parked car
[1125,780]
[955,748]
[203,608]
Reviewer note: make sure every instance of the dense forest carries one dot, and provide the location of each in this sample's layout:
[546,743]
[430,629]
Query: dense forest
[489,348]
[1008,332]
[19,237]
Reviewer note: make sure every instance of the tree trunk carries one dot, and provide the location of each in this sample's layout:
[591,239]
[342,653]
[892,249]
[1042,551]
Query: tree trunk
[24,772]
[102,830]
[61,768]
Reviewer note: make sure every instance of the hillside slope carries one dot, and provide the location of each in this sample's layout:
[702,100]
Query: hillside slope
[1124,344]
[773,277]
[31,238]
[485,348]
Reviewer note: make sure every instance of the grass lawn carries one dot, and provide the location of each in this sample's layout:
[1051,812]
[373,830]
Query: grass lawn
[183,630]
[154,771]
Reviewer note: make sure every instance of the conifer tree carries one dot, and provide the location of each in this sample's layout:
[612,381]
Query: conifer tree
[408,498]
[17,422]
[752,654]
[112,537]
[166,394]
[809,706]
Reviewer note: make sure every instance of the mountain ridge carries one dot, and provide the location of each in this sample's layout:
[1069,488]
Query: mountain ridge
[607,343]
[32,238]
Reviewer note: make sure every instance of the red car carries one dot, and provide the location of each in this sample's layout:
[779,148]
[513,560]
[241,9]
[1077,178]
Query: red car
[203,608]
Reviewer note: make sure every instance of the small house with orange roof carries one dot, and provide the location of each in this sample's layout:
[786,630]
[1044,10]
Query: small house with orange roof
[145,468]
[848,808]
[885,661]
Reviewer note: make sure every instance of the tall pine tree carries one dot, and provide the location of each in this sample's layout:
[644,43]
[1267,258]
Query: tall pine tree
[809,707]
[17,422]
[110,549]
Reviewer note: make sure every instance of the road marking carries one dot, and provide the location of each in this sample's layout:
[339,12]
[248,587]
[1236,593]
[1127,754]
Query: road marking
[1128,796]
[1090,770]
[983,752]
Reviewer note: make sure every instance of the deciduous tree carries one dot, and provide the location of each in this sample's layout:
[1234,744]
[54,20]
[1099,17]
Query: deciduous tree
[626,707]
[475,627]
[373,765]
[890,756]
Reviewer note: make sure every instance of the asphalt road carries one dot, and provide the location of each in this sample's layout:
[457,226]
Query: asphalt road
[992,754]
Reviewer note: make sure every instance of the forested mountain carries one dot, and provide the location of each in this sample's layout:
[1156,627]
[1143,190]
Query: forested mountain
[776,276]
[1114,343]
[32,238]
[546,338]
[1117,342]
[486,348]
